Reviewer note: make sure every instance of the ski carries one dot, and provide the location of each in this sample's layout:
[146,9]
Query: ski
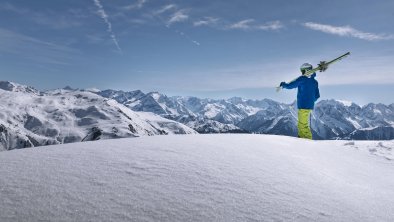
[322,66]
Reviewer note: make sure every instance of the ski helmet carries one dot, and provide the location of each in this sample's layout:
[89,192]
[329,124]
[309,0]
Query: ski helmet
[305,67]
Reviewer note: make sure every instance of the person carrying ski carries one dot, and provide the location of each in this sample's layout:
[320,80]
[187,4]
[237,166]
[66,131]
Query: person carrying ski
[307,95]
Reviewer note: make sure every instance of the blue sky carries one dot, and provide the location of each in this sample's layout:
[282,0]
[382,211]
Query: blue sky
[215,49]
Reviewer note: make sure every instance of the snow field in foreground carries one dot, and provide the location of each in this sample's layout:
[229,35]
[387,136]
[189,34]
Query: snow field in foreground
[199,178]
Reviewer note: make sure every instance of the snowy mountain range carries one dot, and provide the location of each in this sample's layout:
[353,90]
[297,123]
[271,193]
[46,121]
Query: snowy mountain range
[331,119]
[31,118]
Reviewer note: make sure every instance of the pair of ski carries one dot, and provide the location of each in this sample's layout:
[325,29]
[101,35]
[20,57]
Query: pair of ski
[322,66]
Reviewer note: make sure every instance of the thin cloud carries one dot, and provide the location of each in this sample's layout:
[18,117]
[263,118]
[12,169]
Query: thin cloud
[138,5]
[165,9]
[249,24]
[196,43]
[243,25]
[206,21]
[274,25]
[179,16]
[101,12]
[347,31]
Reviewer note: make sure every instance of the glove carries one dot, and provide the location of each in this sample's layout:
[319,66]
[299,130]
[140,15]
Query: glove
[323,66]
[282,84]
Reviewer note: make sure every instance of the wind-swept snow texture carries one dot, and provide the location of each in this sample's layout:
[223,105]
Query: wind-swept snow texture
[200,178]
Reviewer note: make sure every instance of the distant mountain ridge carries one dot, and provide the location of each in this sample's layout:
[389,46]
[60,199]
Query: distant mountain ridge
[31,118]
[331,119]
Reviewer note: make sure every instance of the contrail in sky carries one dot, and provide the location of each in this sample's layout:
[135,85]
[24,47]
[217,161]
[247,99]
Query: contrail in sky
[104,16]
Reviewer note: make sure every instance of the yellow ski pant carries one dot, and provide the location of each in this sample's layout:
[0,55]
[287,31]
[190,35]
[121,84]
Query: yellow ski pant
[304,130]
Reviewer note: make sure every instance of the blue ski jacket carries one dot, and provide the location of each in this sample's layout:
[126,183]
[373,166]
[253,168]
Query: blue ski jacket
[308,91]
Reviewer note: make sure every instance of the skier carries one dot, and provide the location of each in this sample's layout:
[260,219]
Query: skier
[308,93]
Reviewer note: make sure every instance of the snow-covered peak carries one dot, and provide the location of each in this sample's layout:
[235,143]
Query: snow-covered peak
[335,102]
[121,96]
[68,88]
[236,100]
[345,103]
[15,87]
[155,95]
[93,90]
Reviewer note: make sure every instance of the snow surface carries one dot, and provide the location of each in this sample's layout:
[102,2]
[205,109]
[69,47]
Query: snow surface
[199,178]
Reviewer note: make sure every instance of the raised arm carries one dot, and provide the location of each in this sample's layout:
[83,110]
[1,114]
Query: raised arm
[291,85]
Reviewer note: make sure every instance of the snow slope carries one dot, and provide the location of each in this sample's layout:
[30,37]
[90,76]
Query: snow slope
[200,178]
